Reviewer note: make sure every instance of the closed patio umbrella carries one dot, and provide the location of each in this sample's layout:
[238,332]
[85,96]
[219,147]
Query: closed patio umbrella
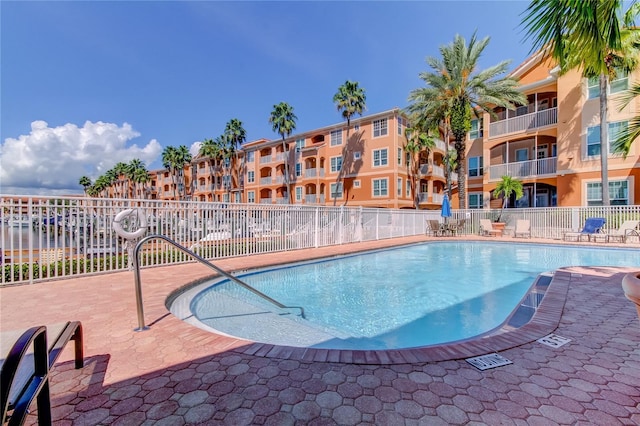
[446,208]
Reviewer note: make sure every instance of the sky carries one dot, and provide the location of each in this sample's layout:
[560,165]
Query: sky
[87,84]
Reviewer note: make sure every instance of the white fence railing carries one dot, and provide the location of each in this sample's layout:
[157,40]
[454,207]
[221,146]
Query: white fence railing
[46,237]
[521,169]
[524,122]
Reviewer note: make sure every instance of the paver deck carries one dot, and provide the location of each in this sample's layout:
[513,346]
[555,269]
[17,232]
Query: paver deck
[177,374]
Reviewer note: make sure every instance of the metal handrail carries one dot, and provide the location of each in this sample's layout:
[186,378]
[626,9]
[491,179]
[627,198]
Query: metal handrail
[136,269]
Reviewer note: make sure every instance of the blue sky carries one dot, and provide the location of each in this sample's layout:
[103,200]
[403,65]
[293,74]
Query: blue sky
[87,84]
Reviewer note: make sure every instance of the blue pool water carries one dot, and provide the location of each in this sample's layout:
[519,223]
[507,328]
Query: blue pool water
[406,297]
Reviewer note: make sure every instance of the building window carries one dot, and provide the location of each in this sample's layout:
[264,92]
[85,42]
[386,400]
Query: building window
[336,137]
[238,197]
[380,127]
[399,187]
[336,164]
[299,144]
[336,190]
[380,157]
[357,155]
[251,156]
[408,188]
[298,169]
[400,126]
[380,187]
[251,197]
[298,193]
[356,183]
[618,193]
[399,156]
[476,129]
[356,127]
[475,200]
[225,198]
[619,84]
[522,154]
[251,176]
[475,166]
[593,137]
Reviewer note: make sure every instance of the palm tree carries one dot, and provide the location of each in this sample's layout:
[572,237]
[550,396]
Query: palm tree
[623,142]
[119,170]
[211,149]
[85,182]
[505,188]
[236,135]
[136,172]
[169,161]
[450,164]
[417,141]
[283,122]
[456,89]
[350,99]
[588,35]
[183,157]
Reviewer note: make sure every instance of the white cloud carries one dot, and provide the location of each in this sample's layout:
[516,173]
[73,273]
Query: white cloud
[52,159]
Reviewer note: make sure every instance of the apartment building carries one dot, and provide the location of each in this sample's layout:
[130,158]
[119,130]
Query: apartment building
[551,145]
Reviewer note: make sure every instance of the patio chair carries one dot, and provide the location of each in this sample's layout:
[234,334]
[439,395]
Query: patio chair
[627,229]
[435,228]
[49,256]
[592,226]
[523,228]
[25,364]
[487,230]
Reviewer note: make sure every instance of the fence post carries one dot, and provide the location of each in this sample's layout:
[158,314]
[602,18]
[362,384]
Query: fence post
[317,227]
[340,224]
[377,222]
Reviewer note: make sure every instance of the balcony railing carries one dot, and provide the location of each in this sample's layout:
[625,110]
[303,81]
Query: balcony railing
[523,169]
[266,200]
[311,198]
[266,180]
[524,122]
[313,172]
[282,200]
[265,159]
[434,170]
[423,197]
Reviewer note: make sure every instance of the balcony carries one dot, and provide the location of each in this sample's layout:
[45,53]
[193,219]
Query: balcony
[266,180]
[282,200]
[265,159]
[524,169]
[524,122]
[434,170]
[311,173]
[265,200]
[311,198]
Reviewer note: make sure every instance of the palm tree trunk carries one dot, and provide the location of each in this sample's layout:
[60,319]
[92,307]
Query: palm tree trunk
[286,170]
[604,139]
[462,190]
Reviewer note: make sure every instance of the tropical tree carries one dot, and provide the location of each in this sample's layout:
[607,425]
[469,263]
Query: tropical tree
[505,188]
[183,157]
[137,174]
[625,139]
[211,150]
[450,164]
[120,170]
[85,182]
[350,99]
[455,90]
[235,135]
[588,35]
[169,157]
[417,141]
[283,122]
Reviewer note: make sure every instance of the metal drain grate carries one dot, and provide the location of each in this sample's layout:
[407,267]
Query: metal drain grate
[553,340]
[486,362]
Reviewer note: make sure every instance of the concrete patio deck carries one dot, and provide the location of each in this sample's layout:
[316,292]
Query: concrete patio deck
[176,374]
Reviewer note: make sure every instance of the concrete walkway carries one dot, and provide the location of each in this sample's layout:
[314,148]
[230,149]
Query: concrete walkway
[177,374]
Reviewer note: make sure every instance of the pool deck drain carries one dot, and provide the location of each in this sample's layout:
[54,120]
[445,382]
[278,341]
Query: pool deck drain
[553,340]
[485,362]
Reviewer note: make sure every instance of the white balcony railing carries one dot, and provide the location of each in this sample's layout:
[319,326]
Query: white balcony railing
[524,122]
[523,169]
[437,198]
[313,172]
[265,159]
[282,200]
[266,180]
[266,200]
[423,197]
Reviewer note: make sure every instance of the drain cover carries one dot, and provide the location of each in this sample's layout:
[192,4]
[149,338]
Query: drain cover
[553,340]
[486,362]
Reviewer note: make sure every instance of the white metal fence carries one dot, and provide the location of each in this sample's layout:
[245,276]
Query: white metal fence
[54,237]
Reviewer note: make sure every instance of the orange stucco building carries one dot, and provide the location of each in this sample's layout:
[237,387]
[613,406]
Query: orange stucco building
[551,145]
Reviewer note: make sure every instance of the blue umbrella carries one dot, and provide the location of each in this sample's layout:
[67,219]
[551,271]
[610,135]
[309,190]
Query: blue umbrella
[446,208]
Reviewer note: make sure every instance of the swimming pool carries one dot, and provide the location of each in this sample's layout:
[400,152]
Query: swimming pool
[406,297]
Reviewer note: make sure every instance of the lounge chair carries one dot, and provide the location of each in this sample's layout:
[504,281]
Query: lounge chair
[49,256]
[592,226]
[627,229]
[523,228]
[486,228]
[25,364]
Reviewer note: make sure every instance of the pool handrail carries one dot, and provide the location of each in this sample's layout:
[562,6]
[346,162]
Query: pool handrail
[138,282]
